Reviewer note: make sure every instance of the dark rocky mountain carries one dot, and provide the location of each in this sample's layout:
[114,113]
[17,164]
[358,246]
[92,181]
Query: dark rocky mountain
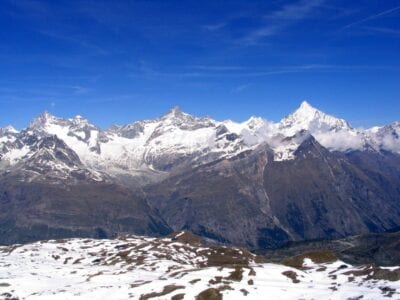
[39,210]
[254,201]
[255,184]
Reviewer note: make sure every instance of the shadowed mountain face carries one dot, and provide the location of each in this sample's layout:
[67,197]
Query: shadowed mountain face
[259,203]
[38,210]
[321,194]
[258,184]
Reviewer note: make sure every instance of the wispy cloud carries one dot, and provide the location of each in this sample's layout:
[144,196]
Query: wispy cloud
[372,17]
[80,41]
[217,67]
[214,27]
[286,16]
[28,8]
[388,31]
[41,14]
[295,11]
[240,88]
[145,71]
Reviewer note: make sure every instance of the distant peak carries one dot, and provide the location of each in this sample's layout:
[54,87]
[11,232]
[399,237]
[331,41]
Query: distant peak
[176,109]
[78,119]
[46,115]
[254,122]
[305,106]
[8,129]
[175,112]
[310,118]
[43,119]
[307,111]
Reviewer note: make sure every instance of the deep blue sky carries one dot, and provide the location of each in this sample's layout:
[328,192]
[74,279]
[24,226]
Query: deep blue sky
[119,61]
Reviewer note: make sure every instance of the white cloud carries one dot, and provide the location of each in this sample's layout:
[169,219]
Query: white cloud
[282,18]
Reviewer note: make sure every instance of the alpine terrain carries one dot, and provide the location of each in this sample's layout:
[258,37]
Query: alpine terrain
[185,207]
[256,184]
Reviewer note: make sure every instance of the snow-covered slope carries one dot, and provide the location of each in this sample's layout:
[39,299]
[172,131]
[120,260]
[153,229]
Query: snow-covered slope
[177,139]
[179,267]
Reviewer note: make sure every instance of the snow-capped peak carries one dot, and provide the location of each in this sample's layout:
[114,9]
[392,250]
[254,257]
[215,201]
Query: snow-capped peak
[176,117]
[80,121]
[42,119]
[46,121]
[306,117]
[255,122]
[174,112]
[387,136]
[305,106]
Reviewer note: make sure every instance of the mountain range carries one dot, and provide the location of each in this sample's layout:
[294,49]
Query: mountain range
[257,184]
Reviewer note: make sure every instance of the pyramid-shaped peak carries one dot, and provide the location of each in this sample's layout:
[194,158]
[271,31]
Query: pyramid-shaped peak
[308,117]
[176,113]
[176,110]
[307,111]
[306,107]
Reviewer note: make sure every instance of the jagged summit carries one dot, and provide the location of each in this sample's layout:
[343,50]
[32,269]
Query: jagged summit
[44,118]
[175,112]
[47,121]
[185,121]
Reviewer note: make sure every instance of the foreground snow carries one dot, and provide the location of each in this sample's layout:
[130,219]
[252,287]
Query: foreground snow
[174,268]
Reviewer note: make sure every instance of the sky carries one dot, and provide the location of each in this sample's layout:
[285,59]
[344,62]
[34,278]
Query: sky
[115,62]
